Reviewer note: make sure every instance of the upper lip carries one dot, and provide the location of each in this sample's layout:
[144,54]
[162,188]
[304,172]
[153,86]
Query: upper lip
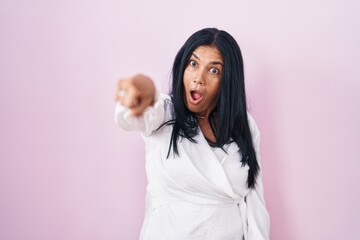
[196,90]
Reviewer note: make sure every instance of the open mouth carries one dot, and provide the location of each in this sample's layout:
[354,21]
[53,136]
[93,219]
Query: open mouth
[196,96]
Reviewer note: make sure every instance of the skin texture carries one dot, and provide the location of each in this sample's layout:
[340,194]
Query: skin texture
[202,81]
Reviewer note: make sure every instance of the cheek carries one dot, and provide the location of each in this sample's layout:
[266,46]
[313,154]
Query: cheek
[186,79]
[187,76]
[218,86]
[215,86]
[215,92]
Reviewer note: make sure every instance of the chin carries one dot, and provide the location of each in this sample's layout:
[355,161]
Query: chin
[195,108]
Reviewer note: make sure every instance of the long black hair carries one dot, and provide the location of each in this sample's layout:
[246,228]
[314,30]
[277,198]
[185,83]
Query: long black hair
[229,119]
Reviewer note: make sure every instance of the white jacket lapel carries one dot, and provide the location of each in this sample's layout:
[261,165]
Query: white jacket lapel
[207,164]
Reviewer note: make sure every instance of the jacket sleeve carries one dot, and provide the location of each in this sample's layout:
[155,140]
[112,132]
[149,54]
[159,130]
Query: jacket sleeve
[148,122]
[258,217]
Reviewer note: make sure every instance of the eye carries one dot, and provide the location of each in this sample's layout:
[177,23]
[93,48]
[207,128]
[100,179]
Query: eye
[214,70]
[192,63]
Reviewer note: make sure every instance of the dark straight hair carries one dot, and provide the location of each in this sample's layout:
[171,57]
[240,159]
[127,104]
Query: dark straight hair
[229,119]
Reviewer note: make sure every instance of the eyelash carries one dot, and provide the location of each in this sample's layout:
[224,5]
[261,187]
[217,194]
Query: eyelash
[193,63]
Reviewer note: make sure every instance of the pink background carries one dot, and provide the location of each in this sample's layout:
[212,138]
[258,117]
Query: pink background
[68,173]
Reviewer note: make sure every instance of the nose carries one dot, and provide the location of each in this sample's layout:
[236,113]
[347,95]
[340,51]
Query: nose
[199,78]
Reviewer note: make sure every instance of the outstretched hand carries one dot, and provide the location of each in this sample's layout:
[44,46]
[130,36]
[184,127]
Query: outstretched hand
[136,93]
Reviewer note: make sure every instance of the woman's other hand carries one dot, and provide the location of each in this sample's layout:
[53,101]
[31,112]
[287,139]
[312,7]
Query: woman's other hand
[136,93]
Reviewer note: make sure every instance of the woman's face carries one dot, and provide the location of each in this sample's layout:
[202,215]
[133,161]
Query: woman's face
[202,79]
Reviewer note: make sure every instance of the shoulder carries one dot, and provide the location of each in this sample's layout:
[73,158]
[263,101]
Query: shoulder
[253,126]
[162,106]
[163,96]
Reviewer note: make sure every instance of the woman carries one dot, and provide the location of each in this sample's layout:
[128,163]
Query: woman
[202,146]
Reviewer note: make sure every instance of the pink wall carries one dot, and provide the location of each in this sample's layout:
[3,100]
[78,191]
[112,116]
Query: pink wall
[67,173]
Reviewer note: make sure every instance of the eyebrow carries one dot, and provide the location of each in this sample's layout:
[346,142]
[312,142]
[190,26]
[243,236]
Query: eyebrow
[214,62]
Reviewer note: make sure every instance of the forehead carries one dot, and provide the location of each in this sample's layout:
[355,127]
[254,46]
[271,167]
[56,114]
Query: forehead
[208,52]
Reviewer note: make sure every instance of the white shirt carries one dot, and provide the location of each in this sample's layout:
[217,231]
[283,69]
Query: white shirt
[201,194]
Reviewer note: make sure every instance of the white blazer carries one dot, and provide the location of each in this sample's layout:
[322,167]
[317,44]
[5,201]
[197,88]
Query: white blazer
[201,194]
